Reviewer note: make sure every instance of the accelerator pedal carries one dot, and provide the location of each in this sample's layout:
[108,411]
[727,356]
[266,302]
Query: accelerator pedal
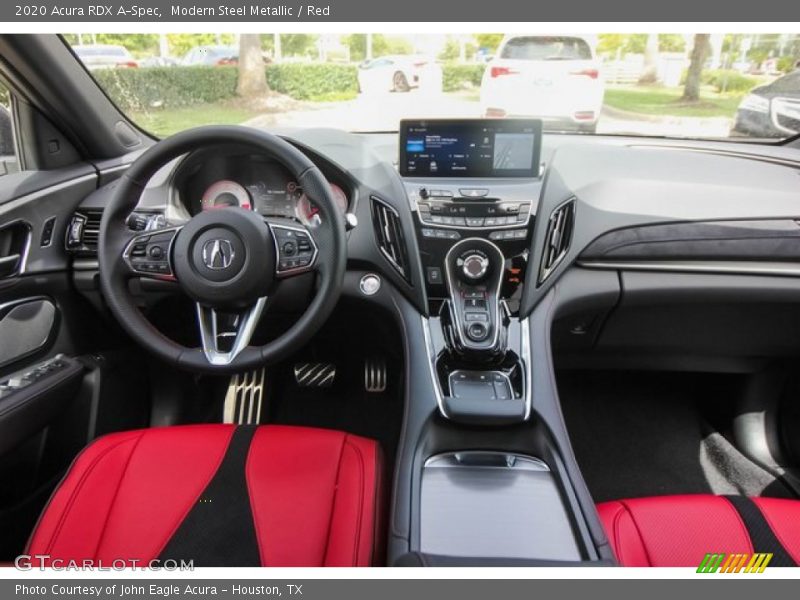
[244,398]
[318,375]
[375,375]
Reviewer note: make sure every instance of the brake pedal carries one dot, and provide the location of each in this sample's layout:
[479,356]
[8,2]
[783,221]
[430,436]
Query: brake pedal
[375,375]
[244,398]
[319,375]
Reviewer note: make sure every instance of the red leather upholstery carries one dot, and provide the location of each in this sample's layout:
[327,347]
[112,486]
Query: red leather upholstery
[678,531]
[314,495]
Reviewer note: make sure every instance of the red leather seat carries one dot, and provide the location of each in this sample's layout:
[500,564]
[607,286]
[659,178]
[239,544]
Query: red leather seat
[678,531]
[220,495]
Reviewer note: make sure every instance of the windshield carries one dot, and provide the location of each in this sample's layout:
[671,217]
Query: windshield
[676,85]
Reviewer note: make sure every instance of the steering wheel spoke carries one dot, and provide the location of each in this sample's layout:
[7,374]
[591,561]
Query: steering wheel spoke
[149,254]
[296,250]
[225,334]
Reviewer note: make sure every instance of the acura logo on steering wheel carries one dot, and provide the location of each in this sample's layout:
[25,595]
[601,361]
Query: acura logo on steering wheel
[218,254]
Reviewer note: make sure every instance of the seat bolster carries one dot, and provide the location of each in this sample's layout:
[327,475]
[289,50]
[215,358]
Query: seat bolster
[625,539]
[72,524]
[354,519]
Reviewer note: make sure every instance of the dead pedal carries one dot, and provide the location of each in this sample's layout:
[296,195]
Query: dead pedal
[375,375]
[244,398]
[319,375]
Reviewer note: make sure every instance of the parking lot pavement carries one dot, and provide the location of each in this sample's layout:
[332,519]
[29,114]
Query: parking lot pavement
[383,112]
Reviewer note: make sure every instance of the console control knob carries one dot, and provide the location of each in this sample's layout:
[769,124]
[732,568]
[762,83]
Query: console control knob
[475,267]
[477,331]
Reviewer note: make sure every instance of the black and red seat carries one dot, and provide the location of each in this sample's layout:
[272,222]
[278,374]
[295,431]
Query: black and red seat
[220,495]
[678,531]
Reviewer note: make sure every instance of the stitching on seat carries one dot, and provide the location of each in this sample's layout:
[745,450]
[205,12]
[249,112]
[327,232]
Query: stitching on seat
[333,499]
[738,517]
[776,531]
[116,492]
[76,491]
[174,528]
[357,544]
[636,526]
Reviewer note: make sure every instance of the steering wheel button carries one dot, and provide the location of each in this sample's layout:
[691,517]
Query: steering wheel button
[156,252]
[289,248]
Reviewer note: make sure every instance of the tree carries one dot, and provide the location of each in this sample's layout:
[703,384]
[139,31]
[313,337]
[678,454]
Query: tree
[650,71]
[700,49]
[252,75]
[489,41]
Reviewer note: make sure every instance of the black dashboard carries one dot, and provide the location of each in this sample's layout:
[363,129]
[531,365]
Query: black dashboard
[608,183]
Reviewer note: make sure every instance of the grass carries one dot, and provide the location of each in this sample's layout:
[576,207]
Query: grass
[654,100]
[163,122]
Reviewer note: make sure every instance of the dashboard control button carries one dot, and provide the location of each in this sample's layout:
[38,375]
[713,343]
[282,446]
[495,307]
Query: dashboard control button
[428,233]
[476,316]
[477,331]
[437,220]
[493,221]
[369,284]
[474,221]
[473,192]
[434,275]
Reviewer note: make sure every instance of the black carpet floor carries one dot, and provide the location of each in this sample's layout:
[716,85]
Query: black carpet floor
[647,434]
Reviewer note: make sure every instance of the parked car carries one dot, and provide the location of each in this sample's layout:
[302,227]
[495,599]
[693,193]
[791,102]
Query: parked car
[399,73]
[555,78]
[771,110]
[159,61]
[105,56]
[216,56]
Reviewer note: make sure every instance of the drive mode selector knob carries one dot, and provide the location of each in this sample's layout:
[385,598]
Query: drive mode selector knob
[474,267]
[477,331]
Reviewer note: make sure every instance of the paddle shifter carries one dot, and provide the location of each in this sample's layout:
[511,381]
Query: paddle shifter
[474,271]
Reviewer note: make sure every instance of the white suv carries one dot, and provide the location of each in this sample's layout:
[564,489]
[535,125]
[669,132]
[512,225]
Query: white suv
[555,78]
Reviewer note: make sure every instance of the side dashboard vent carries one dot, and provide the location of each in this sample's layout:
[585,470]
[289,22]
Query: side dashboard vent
[84,231]
[389,235]
[558,237]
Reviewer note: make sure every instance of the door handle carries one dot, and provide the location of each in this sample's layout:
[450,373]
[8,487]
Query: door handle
[9,265]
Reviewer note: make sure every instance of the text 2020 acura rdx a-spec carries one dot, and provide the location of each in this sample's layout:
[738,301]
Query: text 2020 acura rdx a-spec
[469,342]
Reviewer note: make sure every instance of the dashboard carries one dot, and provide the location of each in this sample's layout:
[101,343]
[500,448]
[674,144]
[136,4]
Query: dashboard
[253,182]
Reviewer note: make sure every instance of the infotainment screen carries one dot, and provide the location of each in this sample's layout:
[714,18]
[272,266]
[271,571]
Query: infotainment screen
[470,148]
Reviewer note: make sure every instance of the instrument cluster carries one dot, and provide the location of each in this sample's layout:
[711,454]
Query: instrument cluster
[257,184]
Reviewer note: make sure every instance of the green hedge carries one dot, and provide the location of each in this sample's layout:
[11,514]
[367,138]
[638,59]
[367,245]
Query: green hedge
[314,81]
[459,77]
[729,80]
[139,89]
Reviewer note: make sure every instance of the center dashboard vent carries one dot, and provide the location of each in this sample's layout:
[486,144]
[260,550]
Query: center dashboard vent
[558,237]
[389,235]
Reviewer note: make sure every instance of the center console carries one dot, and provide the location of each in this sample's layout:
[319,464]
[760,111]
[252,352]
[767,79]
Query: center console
[488,478]
[473,186]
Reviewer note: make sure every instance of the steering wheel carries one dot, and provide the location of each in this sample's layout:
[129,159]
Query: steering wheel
[228,261]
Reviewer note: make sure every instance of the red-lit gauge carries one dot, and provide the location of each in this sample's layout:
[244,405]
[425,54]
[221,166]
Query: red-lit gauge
[306,210]
[224,194]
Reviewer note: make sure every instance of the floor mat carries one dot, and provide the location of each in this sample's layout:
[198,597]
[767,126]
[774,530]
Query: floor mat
[345,405]
[647,434]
